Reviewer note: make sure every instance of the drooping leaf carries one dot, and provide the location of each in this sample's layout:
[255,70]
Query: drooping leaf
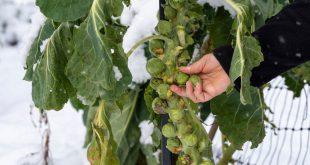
[245,58]
[50,87]
[98,56]
[64,10]
[121,121]
[240,123]
[35,53]
[102,150]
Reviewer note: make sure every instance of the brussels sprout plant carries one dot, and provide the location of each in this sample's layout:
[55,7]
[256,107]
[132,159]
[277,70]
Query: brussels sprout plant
[83,58]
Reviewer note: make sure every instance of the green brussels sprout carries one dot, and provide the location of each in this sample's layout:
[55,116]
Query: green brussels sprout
[154,83]
[174,142]
[159,106]
[195,80]
[177,4]
[184,58]
[176,115]
[181,78]
[169,131]
[189,40]
[164,91]
[170,12]
[181,35]
[174,145]
[183,159]
[202,145]
[156,47]
[164,27]
[193,153]
[183,129]
[206,162]
[155,66]
[190,140]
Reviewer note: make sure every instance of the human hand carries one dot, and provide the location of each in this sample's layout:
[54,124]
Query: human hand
[214,80]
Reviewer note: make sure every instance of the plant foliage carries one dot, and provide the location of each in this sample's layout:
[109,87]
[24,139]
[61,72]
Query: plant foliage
[83,61]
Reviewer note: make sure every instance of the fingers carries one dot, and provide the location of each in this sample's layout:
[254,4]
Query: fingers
[190,92]
[178,90]
[196,67]
[201,95]
[196,94]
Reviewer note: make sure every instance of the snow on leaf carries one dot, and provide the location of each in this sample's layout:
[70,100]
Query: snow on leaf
[90,69]
[35,51]
[50,87]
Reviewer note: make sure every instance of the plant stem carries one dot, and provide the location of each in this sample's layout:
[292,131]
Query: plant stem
[145,40]
[227,155]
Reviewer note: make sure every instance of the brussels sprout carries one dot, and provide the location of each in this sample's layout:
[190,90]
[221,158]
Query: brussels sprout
[193,153]
[177,4]
[190,140]
[184,58]
[183,129]
[169,131]
[181,35]
[156,47]
[155,66]
[174,145]
[202,145]
[189,40]
[170,12]
[164,27]
[164,91]
[183,159]
[176,115]
[195,80]
[159,106]
[206,162]
[181,78]
[154,83]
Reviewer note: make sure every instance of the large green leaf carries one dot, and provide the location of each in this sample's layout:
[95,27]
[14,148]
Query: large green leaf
[245,58]
[50,87]
[64,10]
[98,55]
[35,53]
[121,119]
[240,123]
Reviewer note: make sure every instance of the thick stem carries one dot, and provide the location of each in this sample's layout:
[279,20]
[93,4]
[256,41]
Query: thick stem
[227,155]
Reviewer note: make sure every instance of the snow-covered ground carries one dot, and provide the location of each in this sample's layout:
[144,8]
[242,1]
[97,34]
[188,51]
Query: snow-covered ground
[21,136]
[20,140]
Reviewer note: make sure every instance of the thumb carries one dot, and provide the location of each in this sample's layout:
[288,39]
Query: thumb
[196,67]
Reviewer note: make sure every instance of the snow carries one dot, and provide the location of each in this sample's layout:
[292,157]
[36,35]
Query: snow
[281,39]
[147,128]
[141,16]
[43,45]
[117,72]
